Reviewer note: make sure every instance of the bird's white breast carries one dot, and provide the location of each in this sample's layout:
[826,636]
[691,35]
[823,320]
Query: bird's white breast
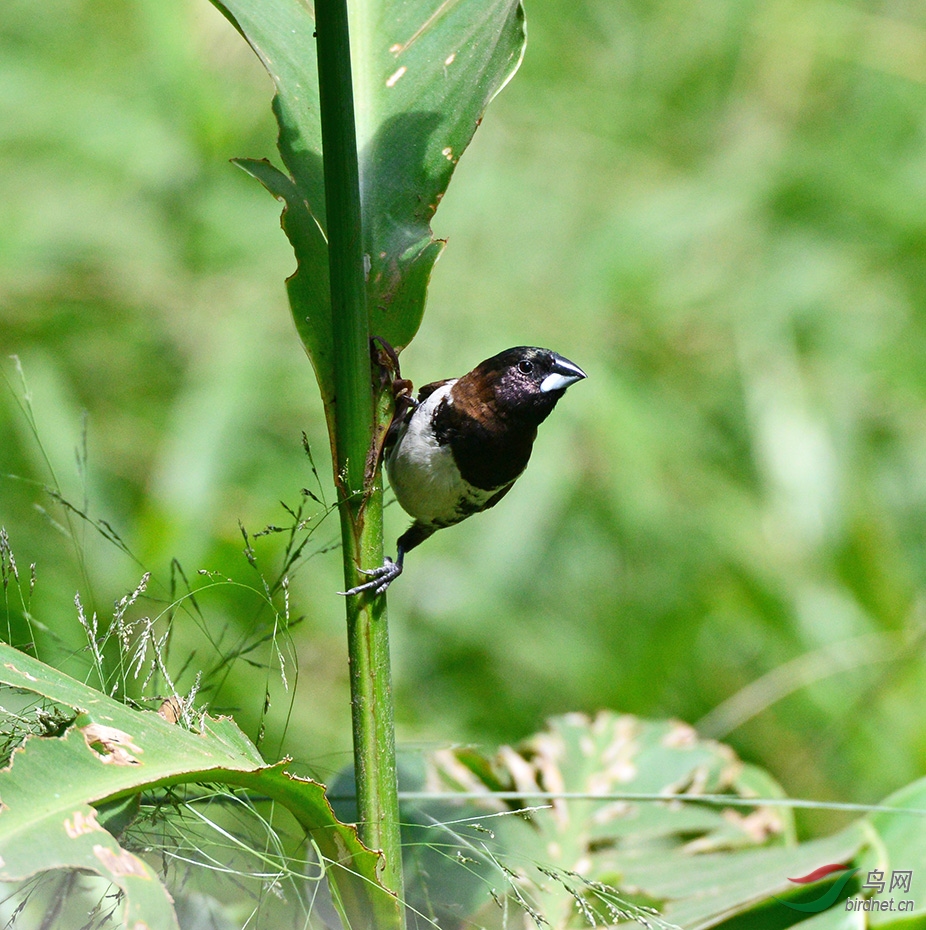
[423,474]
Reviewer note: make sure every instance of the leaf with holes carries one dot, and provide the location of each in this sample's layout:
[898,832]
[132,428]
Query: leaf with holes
[112,752]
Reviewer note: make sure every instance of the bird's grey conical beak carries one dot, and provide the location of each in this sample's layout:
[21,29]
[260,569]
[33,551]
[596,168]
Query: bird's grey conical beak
[564,373]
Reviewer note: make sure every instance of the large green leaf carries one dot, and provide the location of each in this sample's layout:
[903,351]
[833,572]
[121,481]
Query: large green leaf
[424,72]
[628,838]
[586,848]
[112,751]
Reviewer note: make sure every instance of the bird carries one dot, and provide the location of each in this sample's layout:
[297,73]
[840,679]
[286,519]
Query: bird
[460,446]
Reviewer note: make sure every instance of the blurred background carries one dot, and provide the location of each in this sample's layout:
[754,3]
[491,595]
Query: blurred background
[717,209]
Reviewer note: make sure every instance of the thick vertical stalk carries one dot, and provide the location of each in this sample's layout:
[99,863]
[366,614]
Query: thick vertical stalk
[361,510]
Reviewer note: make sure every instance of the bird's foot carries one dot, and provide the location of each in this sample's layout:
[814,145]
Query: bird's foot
[380,578]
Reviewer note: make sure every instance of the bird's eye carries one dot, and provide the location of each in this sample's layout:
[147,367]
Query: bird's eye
[525,367]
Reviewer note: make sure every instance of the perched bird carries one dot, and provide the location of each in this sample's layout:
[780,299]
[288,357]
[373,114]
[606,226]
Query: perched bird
[460,447]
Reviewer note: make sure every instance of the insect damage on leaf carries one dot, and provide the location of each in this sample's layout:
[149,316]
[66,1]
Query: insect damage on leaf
[111,745]
[81,824]
[120,863]
[393,78]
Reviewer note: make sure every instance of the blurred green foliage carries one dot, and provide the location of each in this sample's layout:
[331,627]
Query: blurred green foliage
[717,209]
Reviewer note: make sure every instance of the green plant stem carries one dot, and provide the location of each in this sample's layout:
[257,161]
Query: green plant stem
[361,507]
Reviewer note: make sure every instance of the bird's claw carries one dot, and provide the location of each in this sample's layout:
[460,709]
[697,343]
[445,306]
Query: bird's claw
[380,578]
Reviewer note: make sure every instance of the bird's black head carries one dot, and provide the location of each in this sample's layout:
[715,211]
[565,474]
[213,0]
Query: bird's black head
[526,382]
